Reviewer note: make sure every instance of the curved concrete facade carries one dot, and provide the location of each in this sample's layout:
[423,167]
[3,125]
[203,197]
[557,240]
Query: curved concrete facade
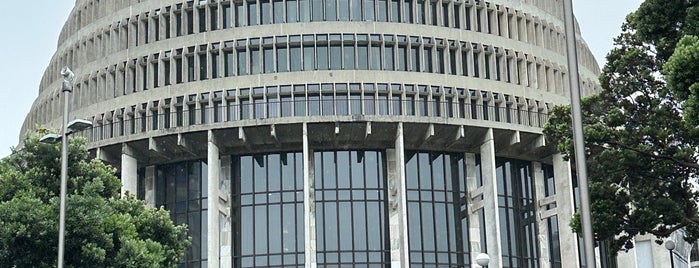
[165,82]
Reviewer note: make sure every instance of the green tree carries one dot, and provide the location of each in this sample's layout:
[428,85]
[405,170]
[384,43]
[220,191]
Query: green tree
[102,230]
[641,130]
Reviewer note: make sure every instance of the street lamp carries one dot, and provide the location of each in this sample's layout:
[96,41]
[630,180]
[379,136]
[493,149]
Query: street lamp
[67,128]
[670,246]
[482,259]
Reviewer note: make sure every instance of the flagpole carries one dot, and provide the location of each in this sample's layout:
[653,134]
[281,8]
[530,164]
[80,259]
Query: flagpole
[578,138]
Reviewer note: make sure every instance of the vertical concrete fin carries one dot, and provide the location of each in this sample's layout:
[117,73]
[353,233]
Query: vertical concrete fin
[214,169]
[129,171]
[490,198]
[308,211]
[565,208]
[398,217]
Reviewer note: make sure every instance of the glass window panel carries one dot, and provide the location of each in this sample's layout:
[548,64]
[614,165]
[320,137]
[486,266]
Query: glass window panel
[242,62]
[261,230]
[335,57]
[305,10]
[414,226]
[308,58]
[343,170]
[408,11]
[255,60]
[420,10]
[349,57]
[433,12]
[281,59]
[295,58]
[330,10]
[372,170]
[226,16]
[275,229]
[269,59]
[317,10]
[382,10]
[414,59]
[362,57]
[328,104]
[247,223]
[428,227]
[402,58]
[389,58]
[344,8]
[345,225]
[341,104]
[441,235]
[260,174]
[383,104]
[289,228]
[291,11]
[395,11]
[252,13]
[239,14]
[369,105]
[369,10]
[279,11]
[375,57]
[322,57]
[374,226]
[359,225]
[330,226]
[356,10]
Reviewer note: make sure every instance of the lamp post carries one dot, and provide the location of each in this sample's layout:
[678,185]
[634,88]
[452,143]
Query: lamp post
[67,128]
[482,259]
[670,246]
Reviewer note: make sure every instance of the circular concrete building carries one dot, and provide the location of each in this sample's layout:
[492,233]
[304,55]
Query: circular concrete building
[331,133]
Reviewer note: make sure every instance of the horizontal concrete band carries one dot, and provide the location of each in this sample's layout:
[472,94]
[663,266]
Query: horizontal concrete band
[257,136]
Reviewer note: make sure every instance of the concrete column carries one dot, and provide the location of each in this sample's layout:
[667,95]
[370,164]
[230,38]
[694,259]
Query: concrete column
[214,169]
[397,212]
[309,217]
[475,227]
[490,199]
[539,181]
[565,207]
[129,171]
[150,186]
[225,228]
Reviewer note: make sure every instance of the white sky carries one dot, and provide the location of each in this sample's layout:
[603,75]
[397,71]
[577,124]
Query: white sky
[28,41]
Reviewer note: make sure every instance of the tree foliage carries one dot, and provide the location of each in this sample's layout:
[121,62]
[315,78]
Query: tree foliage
[641,130]
[102,230]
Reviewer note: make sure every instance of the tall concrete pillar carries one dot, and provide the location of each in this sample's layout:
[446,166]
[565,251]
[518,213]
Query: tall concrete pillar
[309,219]
[490,199]
[150,186]
[397,212]
[565,208]
[214,168]
[542,226]
[475,205]
[224,223]
[129,171]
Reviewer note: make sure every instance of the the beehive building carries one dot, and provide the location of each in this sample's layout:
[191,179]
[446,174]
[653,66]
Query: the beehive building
[331,133]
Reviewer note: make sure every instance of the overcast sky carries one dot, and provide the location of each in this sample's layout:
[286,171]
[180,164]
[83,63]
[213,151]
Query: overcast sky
[29,40]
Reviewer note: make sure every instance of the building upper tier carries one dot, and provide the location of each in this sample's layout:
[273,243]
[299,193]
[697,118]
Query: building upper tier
[97,28]
[122,48]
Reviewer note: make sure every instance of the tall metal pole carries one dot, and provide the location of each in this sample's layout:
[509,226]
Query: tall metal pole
[578,137]
[67,89]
